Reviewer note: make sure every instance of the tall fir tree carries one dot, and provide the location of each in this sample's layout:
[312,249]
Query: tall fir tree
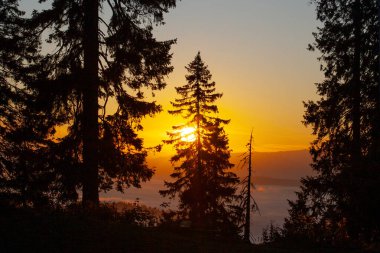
[203,183]
[339,203]
[92,83]
[20,136]
[10,23]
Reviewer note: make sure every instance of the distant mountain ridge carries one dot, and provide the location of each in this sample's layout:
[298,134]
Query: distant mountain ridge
[284,164]
[270,168]
[273,172]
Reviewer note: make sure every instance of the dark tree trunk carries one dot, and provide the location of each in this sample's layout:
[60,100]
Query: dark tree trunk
[90,104]
[247,228]
[198,176]
[356,97]
[377,122]
[352,205]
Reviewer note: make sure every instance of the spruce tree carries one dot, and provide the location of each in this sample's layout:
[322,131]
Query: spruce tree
[11,55]
[93,84]
[202,181]
[10,23]
[339,203]
[20,183]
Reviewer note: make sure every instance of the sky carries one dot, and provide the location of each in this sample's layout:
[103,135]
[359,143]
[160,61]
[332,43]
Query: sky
[256,52]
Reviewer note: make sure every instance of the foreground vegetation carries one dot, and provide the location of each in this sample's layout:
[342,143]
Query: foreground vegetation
[27,230]
[75,230]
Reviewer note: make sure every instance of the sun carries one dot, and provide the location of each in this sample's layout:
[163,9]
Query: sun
[187,134]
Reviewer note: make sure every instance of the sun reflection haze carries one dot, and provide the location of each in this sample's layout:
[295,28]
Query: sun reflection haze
[187,134]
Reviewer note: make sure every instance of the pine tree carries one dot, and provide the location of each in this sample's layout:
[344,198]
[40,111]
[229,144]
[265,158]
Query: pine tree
[20,184]
[203,183]
[100,61]
[10,52]
[339,202]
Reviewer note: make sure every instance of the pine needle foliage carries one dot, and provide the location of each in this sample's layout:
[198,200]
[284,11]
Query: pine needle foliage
[202,177]
[97,58]
[339,203]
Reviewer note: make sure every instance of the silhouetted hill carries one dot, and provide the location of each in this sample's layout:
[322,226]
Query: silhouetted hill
[270,168]
[284,165]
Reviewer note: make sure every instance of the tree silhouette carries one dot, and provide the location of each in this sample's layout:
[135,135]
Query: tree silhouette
[377,131]
[202,182]
[10,23]
[339,202]
[100,61]
[246,193]
[20,136]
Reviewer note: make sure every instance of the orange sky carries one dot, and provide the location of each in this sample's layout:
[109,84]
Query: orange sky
[256,51]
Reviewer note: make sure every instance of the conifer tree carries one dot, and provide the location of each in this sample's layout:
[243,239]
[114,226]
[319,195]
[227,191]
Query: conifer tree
[10,51]
[99,61]
[339,202]
[20,184]
[10,22]
[202,181]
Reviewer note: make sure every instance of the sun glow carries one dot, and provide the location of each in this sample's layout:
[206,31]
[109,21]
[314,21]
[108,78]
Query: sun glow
[187,134]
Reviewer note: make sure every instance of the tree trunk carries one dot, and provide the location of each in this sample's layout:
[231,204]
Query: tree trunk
[352,205]
[90,104]
[377,121]
[247,228]
[199,212]
[356,97]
